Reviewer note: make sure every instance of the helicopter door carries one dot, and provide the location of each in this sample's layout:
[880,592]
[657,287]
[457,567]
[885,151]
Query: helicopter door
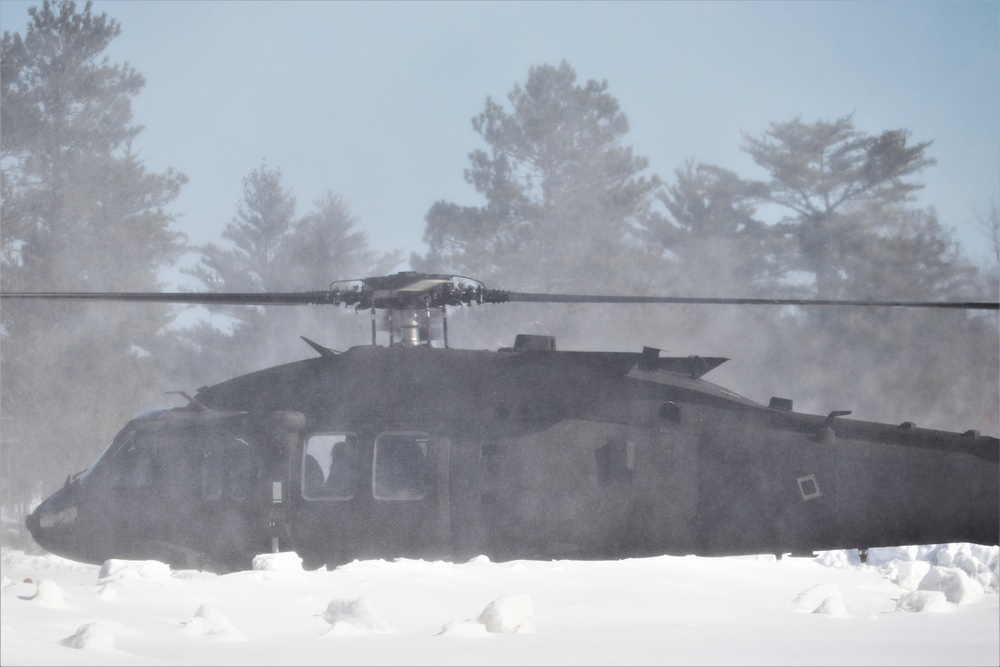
[240,493]
[409,486]
[368,496]
[228,530]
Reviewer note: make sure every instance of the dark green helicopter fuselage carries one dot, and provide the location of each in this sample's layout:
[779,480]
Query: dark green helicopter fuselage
[421,452]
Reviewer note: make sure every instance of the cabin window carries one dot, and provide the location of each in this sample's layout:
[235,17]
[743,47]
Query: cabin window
[225,470]
[400,466]
[330,466]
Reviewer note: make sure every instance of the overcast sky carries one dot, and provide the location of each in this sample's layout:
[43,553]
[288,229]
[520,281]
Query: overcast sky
[373,101]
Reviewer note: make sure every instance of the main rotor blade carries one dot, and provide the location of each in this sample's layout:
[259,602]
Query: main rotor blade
[533,297]
[196,298]
[334,298]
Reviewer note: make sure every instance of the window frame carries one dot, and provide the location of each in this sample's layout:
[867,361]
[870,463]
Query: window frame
[382,475]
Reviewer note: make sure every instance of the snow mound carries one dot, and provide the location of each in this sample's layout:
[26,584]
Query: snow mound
[115,569]
[841,559]
[906,566]
[284,561]
[833,606]
[353,617]
[934,601]
[48,594]
[207,621]
[909,574]
[980,562]
[510,614]
[5,582]
[956,585]
[90,635]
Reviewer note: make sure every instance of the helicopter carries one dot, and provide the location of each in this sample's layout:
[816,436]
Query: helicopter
[412,450]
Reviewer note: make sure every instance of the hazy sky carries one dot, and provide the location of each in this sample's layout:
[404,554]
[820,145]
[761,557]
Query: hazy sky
[373,100]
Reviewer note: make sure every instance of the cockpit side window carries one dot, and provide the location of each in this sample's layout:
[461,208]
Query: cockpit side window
[330,466]
[225,469]
[129,463]
[400,466]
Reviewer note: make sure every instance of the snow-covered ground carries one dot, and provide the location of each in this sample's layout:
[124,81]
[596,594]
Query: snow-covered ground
[906,606]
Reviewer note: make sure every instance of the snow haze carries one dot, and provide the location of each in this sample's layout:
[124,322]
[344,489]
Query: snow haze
[931,605]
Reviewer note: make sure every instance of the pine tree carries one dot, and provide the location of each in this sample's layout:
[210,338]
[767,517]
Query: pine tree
[837,182]
[711,231]
[270,250]
[563,193]
[853,232]
[564,200]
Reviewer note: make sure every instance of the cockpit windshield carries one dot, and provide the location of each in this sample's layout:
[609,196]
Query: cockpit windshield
[139,457]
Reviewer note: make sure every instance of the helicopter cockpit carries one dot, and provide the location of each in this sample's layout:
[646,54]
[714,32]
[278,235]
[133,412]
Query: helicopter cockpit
[197,462]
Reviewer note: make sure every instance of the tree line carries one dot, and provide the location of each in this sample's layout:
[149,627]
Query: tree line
[568,206]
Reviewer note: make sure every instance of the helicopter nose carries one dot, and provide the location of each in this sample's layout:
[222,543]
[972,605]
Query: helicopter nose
[53,523]
[34,526]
